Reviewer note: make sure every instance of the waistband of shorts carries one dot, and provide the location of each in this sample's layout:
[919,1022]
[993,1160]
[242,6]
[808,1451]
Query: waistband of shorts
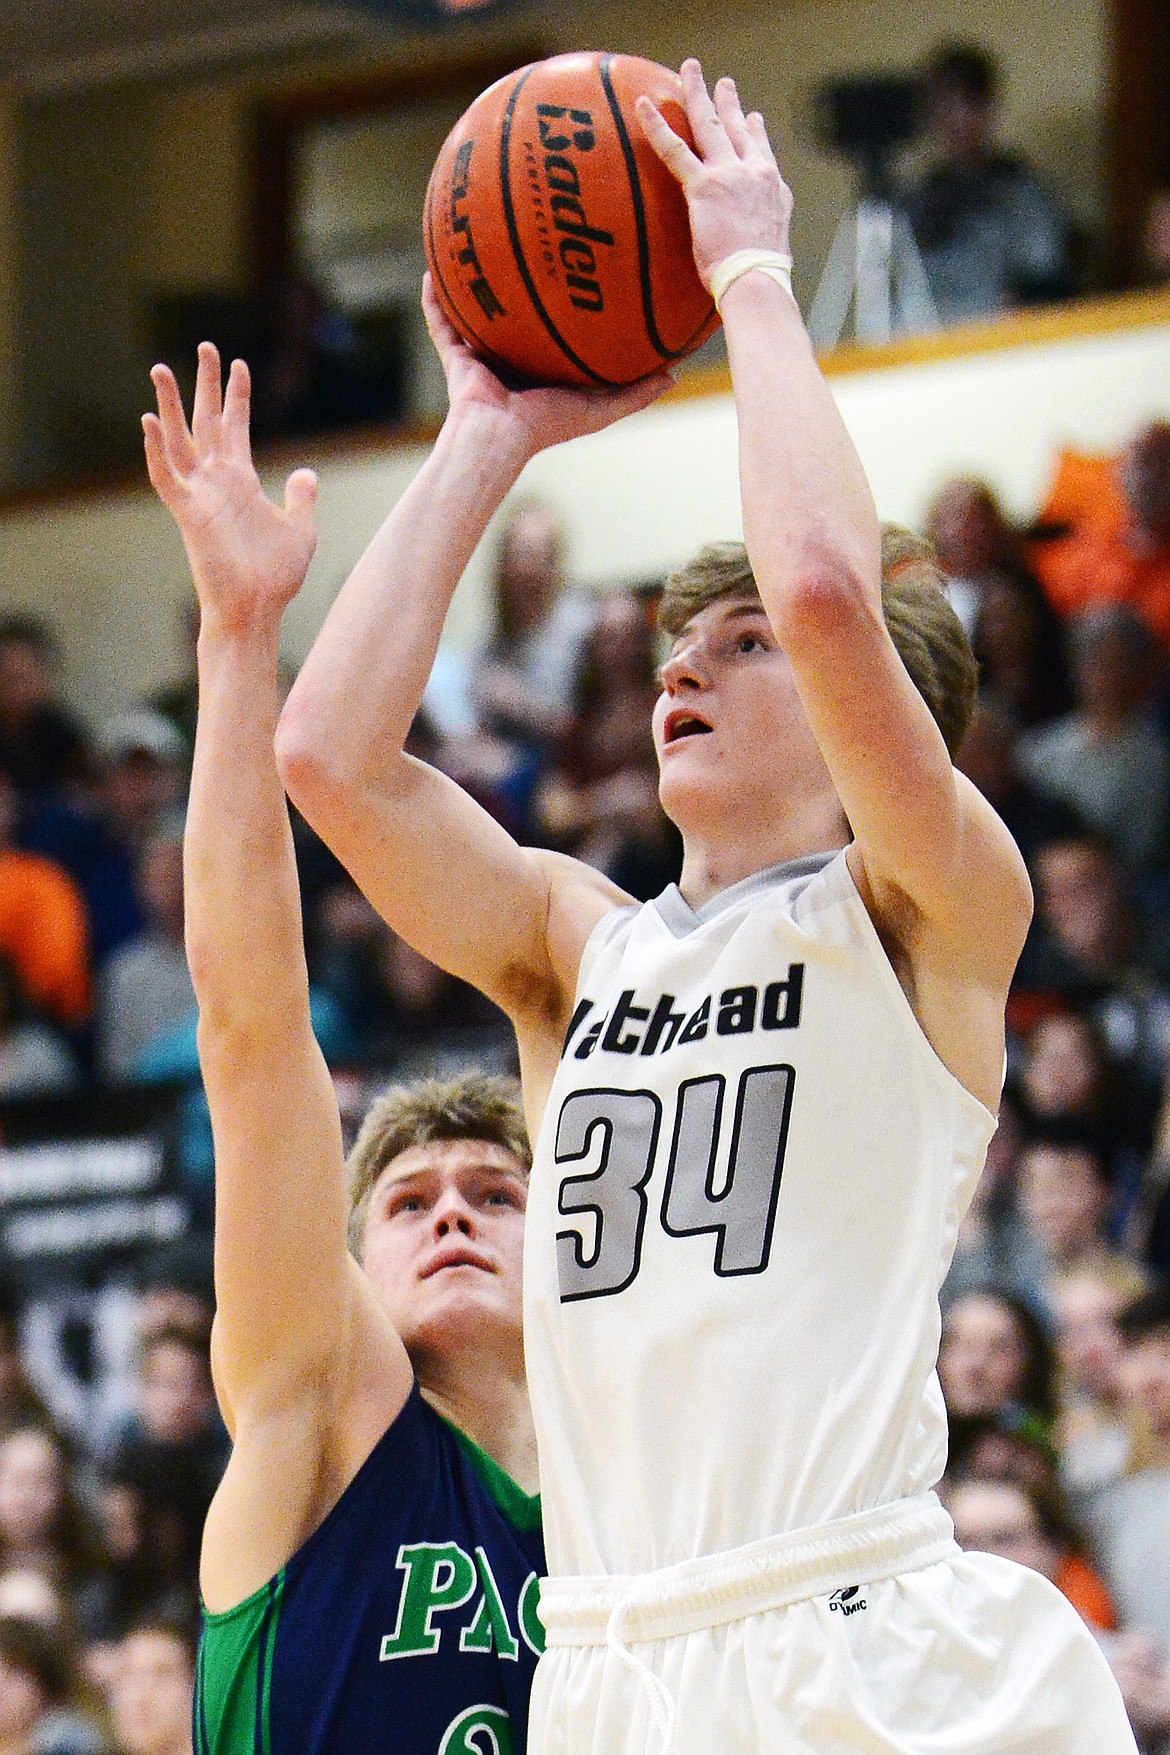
[771,1574]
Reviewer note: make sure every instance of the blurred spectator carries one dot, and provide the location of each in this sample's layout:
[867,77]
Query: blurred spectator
[177,702]
[1087,908]
[20,1402]
[988,758]
[43,1705]
[174,1448]
[145,1566]
[1066,1198]
[43,1526]
[598,798]
[1020,646]
[1027,1526]
[309,377]
[1139,1663]
[42,746]
[995,1247]
[989,234]
[972,539]
[401,1012]
[1131,1517]
[524,682]
[1093,1435]
[30,1596]
[43,926]
[1103,534]
[1108,758]
[34,1058]
[1068,1079]
[996,1355]
[1017,637]
[145,986]
[98,839]
[176,1288]
[1063,1073]
[1085,951]
[1156,240]
[152,1689]
[1004,1446]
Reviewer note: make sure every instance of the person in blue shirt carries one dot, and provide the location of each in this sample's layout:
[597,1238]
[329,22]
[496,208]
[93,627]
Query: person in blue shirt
[371,1560]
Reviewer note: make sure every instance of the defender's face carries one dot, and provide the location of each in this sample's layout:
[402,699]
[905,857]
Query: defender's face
[729,717]
[444,1241]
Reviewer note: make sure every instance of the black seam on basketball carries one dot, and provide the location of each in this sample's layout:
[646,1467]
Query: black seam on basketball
[670,353]
[517,250]
[461,327]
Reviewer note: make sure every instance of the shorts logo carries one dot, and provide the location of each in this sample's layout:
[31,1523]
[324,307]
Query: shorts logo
[848,1601]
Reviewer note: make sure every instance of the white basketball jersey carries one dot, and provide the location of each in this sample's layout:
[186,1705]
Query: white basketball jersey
[745,1197]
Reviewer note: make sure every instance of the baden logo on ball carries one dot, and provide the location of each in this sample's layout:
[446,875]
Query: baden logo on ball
[558,242]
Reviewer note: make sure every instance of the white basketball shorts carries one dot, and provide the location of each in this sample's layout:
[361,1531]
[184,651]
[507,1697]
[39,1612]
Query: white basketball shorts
[875,1635]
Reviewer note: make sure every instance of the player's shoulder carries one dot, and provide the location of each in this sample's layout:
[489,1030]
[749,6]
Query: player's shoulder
[578,898]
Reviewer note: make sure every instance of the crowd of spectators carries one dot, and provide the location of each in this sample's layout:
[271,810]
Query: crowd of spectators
[1055,1359]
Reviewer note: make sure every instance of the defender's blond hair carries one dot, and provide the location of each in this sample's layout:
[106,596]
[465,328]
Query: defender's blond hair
[471,1106]
[927,633]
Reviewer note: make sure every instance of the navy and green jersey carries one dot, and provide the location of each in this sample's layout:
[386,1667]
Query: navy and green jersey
[405,1625]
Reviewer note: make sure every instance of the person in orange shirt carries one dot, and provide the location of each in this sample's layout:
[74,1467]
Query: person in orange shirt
[1103,534]
[44,930]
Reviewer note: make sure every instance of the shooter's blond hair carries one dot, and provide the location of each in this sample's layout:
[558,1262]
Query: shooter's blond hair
[928,635]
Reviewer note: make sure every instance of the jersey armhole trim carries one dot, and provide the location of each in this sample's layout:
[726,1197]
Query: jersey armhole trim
[521,1509]
[877,952]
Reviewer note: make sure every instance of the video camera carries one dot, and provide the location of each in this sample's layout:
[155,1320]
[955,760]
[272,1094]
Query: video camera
[866,118]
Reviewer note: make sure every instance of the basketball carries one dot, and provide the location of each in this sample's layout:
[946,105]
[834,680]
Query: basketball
[557,240]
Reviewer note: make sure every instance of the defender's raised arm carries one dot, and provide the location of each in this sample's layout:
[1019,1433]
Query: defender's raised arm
[288,1297]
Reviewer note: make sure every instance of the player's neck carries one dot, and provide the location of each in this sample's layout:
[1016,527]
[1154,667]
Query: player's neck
[712,862]
[490,1404]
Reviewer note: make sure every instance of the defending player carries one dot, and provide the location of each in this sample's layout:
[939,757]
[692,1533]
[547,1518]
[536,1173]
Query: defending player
[371,1559]
[765,1097]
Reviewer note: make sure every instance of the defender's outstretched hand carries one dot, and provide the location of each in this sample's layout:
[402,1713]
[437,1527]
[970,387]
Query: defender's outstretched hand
[538,418]
[248,556]
[736,197]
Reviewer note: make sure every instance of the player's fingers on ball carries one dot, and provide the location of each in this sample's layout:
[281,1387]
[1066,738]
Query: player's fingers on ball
[706,122]
[758,130]
[643,393]
[438,324]
[671,148]
[207,408]
[730,112]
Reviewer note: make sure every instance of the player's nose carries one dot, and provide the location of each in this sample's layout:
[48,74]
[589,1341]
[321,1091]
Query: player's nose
[452,1213]
[686,667]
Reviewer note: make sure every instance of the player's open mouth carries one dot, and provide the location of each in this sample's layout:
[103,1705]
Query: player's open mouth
[682,723]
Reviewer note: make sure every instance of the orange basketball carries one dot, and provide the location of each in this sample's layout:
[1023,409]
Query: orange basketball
[557,240]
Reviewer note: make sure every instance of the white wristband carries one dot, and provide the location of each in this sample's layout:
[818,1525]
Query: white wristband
[774,263]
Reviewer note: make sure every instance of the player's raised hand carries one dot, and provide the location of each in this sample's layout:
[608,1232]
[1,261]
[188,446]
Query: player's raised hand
[248,555]
[536,418]
[736,197]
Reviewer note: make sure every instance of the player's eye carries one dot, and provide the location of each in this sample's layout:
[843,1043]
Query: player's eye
[407,1203]
[750,643]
